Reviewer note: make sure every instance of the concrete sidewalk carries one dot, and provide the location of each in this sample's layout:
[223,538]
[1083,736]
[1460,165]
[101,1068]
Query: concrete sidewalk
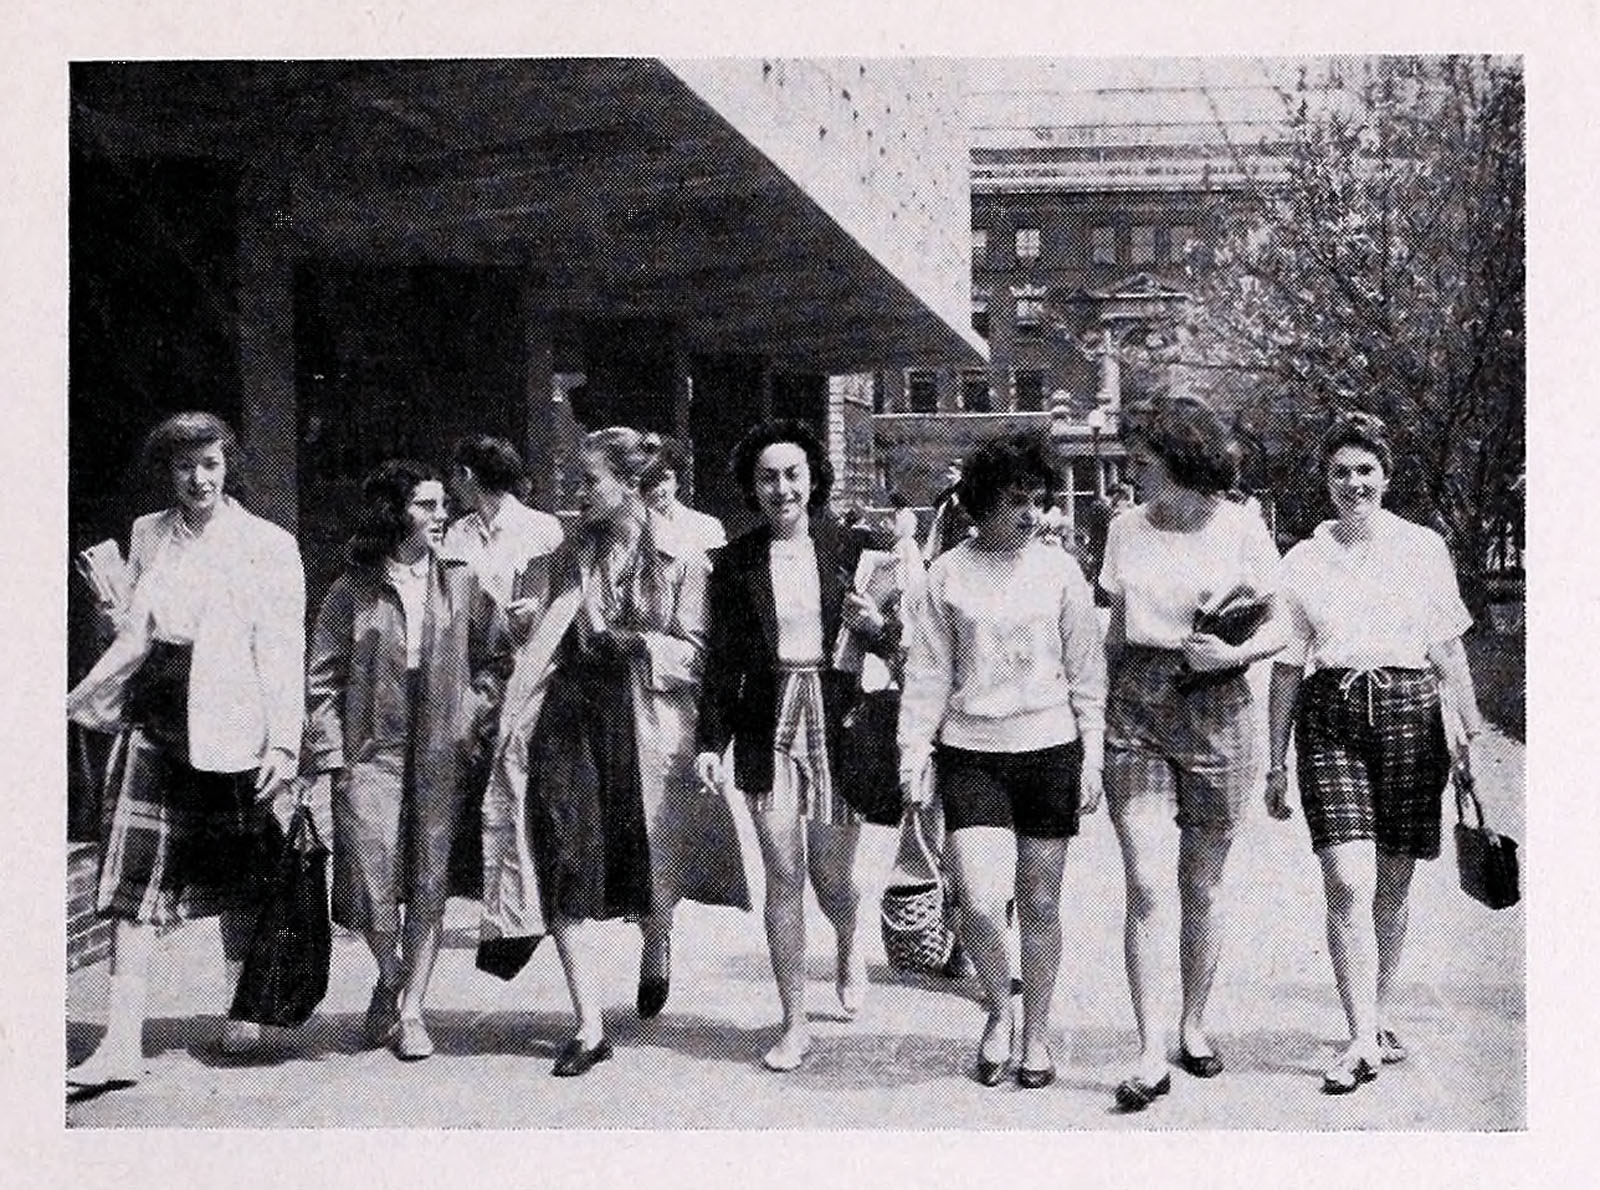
[904,1063]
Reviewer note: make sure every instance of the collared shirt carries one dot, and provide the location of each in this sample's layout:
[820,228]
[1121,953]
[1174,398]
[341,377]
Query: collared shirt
[499,550]
[689,529]
[1381,601]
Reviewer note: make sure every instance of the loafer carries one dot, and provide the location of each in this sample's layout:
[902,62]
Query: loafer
[990,1074]
[383,1016]
[1346,1076]
[411,1040]
[577,1058]
[1032,1080]
[1391,1050]
[1200,1065]
[654,989]
[1134,1094]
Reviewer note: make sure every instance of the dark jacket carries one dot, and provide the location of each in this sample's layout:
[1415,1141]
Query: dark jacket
[739,692]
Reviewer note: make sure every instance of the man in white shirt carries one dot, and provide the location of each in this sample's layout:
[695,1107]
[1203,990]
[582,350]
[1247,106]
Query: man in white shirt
[500,535]
[660,485]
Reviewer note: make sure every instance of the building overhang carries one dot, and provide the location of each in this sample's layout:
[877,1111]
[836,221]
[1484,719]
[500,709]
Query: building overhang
[624,188]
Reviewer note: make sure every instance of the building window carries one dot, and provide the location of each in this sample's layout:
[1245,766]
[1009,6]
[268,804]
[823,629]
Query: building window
[975,395]
[878,391]
[1028,388]
[980,312]
[1027,243]
[980,244]
[1030,310]
[1142,245]
[1102,245]
[922,391]
[1180,241]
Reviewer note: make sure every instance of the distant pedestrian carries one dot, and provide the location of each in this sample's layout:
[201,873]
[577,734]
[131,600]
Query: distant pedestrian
[1376,617]
[952,523]
[1176,747]
[665,484]
[498,535]
[1003,714]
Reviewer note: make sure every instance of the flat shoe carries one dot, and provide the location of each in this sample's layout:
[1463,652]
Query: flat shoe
[1134,1094]
[1200,1065]
[1391,1050]
[578,1059]
[1346,1076]
[383,1016]
[785,1062]
[1032,1080]
[411,1041]
[990,1074]
[653,993]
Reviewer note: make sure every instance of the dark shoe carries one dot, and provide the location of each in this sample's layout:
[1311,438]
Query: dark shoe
[653,992]
[576,1059]
[1199,1065]
[1346,1075]
[1391,1050]
[1134,1094]
[1032,1080]
[411,1040]
[383,1016]
[990,1074]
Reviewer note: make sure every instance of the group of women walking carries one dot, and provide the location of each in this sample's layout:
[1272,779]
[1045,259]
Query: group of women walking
[602,701]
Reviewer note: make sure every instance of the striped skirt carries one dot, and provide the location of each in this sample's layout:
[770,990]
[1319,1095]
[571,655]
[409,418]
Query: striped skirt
[801,774]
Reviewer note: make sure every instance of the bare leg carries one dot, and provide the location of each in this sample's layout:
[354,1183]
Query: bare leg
[1144,831]
[1348,878]
[574,942]
[783,853]
[421,943]
[1040,863]
[236,926]
[985,862]
[1202,855]
[1390,916]
[119,1058]
[385,952]
[831,852]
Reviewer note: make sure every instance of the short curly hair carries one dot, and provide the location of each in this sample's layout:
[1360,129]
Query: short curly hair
[1024,460]
[1186,434]
[673,456]
[189,430]
[385,492]
[1352,427]
[771,433]
[494,462]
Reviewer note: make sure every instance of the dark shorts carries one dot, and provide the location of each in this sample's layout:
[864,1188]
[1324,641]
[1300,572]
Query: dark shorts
[1191,751]
[1373,761]
[1032,793]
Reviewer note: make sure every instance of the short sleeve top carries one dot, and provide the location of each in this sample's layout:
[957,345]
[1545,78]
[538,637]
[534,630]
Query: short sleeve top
[1382,601]
[1163,577]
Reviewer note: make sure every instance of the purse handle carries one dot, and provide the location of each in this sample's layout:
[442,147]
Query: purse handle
[930,862]
[1466,792]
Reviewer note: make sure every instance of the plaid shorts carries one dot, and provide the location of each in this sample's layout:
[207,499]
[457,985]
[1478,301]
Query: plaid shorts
[176,843]
[1373,761]
[1193,750]
[801,776]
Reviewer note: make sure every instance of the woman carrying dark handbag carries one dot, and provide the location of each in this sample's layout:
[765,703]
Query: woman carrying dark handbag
[1003,711]
[1376,687]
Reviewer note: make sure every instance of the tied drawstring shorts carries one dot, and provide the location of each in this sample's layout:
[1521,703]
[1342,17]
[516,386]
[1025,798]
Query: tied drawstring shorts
[1373,761]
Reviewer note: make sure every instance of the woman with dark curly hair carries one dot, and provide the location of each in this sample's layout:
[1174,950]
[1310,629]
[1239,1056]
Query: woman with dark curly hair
[408,659]
[1376,614]
[1173,744]
[779,597]
[203,685]
[1004,699]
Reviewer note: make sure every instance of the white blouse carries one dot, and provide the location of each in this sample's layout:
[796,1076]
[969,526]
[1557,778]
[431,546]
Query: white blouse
[410,581]
[177,581]
[1383,601]
[1164,577]
[797,599]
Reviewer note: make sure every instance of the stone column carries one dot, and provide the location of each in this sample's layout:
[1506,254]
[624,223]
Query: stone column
[269,410]
[539,439]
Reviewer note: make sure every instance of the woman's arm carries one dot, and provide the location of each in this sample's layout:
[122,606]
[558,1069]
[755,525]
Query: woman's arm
[1282,702]
[1083,653]
[1463,721]
[929,678]
[719,681]
[327,678]
[675,652]
[281,643]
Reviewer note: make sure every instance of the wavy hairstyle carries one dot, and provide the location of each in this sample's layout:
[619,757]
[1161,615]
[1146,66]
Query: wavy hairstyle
[382,524]
[184,431]
[1354,428]
[996,465]
[1186,435]
[494,462]
[673,456]
[770,433]
[629,454]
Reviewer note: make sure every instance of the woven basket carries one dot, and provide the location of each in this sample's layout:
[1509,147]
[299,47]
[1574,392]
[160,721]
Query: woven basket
[917,935]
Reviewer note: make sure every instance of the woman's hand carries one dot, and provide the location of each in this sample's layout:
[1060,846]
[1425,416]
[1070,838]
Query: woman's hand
[1278,793]
[1204,653]
[709,768]
[860,615]
[520,615]
[278,767]
[1091,787]
[917,791]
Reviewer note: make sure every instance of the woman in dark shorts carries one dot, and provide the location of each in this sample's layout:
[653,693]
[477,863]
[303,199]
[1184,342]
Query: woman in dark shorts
[1376,621]
[1003,711]
[1177,751]
[204,684]
[779,597]
[408,659]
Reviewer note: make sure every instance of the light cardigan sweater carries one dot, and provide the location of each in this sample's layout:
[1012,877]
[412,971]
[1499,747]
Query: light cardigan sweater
[1005,655]
[246,680]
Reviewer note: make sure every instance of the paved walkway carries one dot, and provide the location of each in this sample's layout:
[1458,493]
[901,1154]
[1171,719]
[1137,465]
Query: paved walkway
[904,1062]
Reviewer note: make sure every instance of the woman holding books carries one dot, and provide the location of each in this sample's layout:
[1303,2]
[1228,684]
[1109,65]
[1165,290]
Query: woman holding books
[1376,615]
[779,597]
[1180,730]
[1003,712]
[204,686]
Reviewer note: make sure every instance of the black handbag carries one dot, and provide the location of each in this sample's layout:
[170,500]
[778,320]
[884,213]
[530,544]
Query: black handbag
[869,757]
[1235,621]
[285,973]
[1487,860]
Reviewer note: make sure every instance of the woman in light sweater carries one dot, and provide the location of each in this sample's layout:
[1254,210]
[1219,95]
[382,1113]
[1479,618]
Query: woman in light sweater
[1003,713]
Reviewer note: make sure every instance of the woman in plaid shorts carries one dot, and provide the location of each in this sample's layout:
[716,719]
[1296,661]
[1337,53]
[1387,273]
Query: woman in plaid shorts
[1176,746]
[203,686]
[1376,620]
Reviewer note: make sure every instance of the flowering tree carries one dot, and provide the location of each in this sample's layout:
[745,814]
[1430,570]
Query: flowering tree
[1382,269]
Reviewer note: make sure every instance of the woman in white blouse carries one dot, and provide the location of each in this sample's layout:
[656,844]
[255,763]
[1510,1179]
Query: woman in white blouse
[1177,749]
[1376,619]
[203,683]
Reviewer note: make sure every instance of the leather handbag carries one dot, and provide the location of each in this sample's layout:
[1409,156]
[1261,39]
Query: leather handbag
[869,757]
[918,934]
[1236,620]
[1487,860]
